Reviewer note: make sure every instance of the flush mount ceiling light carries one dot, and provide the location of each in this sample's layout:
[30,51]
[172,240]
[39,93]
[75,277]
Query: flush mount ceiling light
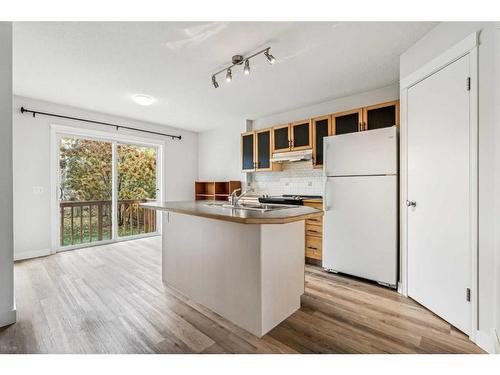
[143,99]
[238,60]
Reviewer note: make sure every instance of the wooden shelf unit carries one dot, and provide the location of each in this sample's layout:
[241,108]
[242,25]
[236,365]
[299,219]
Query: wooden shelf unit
[215,190]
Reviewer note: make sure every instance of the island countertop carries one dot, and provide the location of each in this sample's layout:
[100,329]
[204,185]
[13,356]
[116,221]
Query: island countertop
[204,209]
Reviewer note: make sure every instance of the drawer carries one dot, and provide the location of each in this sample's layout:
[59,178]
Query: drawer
[314,230]
[317,205]
[315,221]
[314,247]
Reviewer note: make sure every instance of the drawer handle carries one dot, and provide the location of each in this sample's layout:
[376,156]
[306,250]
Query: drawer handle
[312,248]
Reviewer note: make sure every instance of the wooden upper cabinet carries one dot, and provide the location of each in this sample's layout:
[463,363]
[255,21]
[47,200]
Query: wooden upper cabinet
[301,135]
[381,115]
[321,127]
[256,151]
[347,121]
[281,138]
[248,152]
[263,151]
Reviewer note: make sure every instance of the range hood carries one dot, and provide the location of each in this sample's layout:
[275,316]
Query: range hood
[291,156]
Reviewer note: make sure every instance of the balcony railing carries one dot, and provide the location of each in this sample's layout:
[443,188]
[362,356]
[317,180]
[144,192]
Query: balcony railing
[91,221]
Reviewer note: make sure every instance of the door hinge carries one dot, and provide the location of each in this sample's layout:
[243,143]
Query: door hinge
[467,294]
[468,83]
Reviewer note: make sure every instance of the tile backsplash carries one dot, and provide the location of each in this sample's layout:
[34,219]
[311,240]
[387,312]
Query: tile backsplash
[294,178]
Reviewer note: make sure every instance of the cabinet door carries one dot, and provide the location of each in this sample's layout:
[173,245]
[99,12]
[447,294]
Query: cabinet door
[281,138]
[381,115]
[301,136]
[321,127]
[248,152]
[263,150]
[347,122]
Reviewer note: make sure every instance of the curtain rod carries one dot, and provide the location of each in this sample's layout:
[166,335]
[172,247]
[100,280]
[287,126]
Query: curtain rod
[23,110]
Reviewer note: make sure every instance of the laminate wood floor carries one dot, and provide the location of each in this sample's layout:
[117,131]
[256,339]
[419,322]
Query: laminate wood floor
[110,299]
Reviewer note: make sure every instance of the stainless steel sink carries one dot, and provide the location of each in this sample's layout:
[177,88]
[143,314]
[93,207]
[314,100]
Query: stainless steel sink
[252,207]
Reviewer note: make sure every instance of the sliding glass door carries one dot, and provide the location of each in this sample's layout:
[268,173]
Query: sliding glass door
[137,182]
[100,186]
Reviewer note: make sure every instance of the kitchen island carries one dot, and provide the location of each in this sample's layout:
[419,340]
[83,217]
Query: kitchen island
[246,265]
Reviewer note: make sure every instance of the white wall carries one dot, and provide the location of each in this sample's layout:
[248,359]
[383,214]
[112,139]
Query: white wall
[219,153]
[32,167]
[431,45]
[7,308]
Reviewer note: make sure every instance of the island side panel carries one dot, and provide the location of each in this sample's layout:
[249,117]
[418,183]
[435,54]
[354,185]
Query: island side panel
[215,263]
[282,265]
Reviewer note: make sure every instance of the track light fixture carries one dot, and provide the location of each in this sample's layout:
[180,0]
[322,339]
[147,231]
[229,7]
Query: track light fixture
[214,82]
[269,57]
[238,60]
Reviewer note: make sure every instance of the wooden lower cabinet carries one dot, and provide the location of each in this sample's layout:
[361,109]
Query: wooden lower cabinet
[314,235]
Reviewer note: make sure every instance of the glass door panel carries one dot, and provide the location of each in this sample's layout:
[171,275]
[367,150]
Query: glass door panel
[380,117]
[136,183]
[281,138]
[264,150]
[321,129]
[247,152]
[301,135]
[85,191]
[347,122]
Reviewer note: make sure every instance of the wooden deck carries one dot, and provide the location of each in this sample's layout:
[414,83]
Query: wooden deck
[110,299]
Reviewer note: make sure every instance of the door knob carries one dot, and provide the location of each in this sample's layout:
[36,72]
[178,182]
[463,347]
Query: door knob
[411,203]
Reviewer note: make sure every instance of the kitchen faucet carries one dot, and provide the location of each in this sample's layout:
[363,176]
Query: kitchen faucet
[235,199]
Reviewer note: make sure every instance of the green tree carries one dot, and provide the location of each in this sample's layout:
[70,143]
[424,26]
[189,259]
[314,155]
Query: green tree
[86,170]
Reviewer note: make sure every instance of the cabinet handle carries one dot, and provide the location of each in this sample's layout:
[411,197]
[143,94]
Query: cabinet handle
[312,248]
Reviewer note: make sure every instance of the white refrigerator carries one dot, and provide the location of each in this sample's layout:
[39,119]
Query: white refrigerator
[360,224]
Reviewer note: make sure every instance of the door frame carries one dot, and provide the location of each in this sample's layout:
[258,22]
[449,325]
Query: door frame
[56,132]
[468,46]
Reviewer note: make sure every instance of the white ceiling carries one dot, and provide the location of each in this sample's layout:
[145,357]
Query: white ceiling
[99,66]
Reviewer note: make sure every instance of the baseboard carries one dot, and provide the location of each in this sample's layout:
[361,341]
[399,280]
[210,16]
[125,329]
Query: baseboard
[487,341]
[32,254]
[7,317]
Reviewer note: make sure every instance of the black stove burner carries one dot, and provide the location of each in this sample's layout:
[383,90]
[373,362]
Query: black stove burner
[302,196]
[283,200]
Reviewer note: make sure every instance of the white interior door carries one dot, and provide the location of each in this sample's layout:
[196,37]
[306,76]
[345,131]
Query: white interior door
[439,236]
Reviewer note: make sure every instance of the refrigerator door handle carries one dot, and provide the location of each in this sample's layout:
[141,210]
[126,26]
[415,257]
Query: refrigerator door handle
[326,206]
[325,160]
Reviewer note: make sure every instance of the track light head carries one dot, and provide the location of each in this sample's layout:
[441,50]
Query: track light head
[269,57]
[229,75]
[214,82]
[246,70]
